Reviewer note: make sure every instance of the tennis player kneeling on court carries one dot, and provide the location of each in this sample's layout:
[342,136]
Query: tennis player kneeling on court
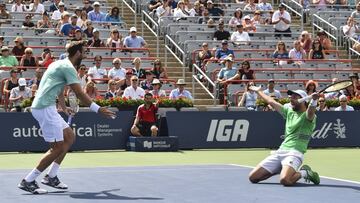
[287,160]
[145,121]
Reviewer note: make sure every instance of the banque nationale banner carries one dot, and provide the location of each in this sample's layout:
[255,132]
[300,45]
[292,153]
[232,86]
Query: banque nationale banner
[201,130]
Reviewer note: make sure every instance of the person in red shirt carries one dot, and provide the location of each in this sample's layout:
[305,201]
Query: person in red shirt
[145,121]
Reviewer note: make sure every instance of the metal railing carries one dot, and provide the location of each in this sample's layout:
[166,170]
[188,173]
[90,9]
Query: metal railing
[329,29]
[131,9]
[296,8]
[351,43]
[209,81]
[144,18]
[176,51]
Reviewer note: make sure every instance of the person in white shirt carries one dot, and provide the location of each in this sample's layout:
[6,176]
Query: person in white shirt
[117,73]
[351,29]
[297,53]
[18,94]
[264,6]
[180,11]
[18,6]
[157,91]
[282,20]
[271,91]
[343,104]
[97,72]
[57,14]
[134,91]
[36,7]
[239,36]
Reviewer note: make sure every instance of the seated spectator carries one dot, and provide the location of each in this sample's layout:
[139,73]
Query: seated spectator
[82,75]
[228,72]
[211,23]
[127,83]
[82,19]
[18,6]
[305,41]
[236,19]
[87,6]
[271,91]
[263,6]
[224,51]
[180,12]
[351,29]
[356,13]
[117,73]
[349,92]
[322,105]
[158,70]
[28,59]
[197,10]
[297,54]
[112,90]
[281,53]
[248,25]
[316,51]
[18,94]
[44,23]
[310,87]
[146,84]
[6,59]
[134,41]
[157,91]
[248,99]
[172,3]
[163,11]
[154,4]
[268,18]
[113,16]
[257,20]
[91,90]
[46,58]
[214,11]
[5,16]
[35,82]
[78,36]
[244,73]
[134,91]
[95,41]
[36,7]
[138,70]
[59,12]
[333,95]
[68,29]
[240,36]
[19,49]
[97,71]
[344,104]
[354,77]
[188,8]
[205,17]
[115,41]
[55,6]
[324,40]
[89,29]
[145,123]
[282,20]
[250,6]
[180,91]
[27,23]
[10,83]
[321,4]
[65,17]
[204,54]
[96,15]
[221,34]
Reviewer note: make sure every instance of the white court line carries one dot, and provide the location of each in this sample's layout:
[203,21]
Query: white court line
[326,177]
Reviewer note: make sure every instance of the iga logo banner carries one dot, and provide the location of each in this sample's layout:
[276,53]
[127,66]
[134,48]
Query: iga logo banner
[226,130]
[148,144]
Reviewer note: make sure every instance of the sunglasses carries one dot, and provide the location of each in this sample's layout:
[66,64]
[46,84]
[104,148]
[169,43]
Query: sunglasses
[28,53]
[134,80]
[343,101]
[117,63]
[82,68]
[113,84]
[321,101]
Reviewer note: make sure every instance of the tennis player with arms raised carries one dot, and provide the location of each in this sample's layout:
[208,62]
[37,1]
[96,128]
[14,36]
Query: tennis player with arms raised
[54,129]
[300,124]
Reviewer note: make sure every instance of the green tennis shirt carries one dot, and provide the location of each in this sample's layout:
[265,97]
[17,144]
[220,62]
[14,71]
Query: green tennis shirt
[58,74]
[298,130]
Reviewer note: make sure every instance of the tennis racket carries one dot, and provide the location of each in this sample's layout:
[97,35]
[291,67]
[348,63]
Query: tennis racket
[331,88]
[74,106]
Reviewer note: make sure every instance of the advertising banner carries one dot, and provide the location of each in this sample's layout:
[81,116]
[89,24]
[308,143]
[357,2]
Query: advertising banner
[153,144]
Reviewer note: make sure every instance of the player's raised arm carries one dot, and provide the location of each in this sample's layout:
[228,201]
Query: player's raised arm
[269,100]
[310,112]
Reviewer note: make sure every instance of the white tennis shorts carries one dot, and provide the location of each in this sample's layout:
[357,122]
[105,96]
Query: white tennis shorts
[279,158]
[51,123]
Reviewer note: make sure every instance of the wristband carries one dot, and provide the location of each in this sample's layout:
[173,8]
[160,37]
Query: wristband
[94,107]
[313,103]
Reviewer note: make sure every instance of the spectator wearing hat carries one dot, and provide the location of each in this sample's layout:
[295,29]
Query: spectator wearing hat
[57,14]
[214,11]
[271,91]
[18,6]
[28,23]
[224,51]
[117,73]
[97,71]
[115,40]
[11,82]
[236,19]
[113,17]
[249,97]
[56,6]
[78,36]
[257,20]
[36,7]
[147,83]
[69,29]
[156,89]
[18,94]
[6,59]
[264,6]
[96,15]
[134,41]
[87,6]
[113,90]
[28,59]
[248,25]
[282,20]
[305,41]
[221,33]
[227,72]
[180,91]
[134,91]
[324,40]
[240,36]
[250,6]
[204,54]
[158,70]
[95,41]
[344,104]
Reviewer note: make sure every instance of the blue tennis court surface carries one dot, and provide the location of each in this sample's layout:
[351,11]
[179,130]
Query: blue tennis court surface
[193,183]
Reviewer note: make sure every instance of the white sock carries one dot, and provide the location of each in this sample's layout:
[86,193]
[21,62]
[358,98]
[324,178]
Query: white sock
[32,175]
[53,169]
[303,174]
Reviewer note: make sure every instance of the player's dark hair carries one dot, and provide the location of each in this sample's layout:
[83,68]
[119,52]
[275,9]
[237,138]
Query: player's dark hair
[74,47]
[148,94]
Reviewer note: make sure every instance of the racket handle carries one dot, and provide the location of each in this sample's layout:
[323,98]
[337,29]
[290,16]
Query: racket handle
[70,119]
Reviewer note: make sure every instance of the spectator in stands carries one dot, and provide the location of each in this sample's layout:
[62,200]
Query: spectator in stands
[134,91]
[78,11]
[18,94]
[257,20]
[317,52]
[356,13]
[282,20]
[6,59]
[197,10]
[281,53]
[96,15]
[248,25]
[305,41]
[271,91]
[55,6]
[351,29]
[5,16]
[349,92]
[236,19]
[28,59]
[180,91]
[57,14]
[245,72]
[146,84]
[324,40]
[87,6]
[211,23]
[214,11]
[204,54]
[95,41]
[35,82]
[240,36]
[78,35]
[44,23]
[18,6]
[97,72]
[306,8]
[333,95]
[158,70]
[310,87]
[297,54]
[321,4]
[221,34]
[89,29]
[172,4]
[154,4]
[263,6]
[68,29]
[163,10]
[224,51]
[250,6]
[354,77]
[180,12]
[127,83]
[117,73]
[82,75]
[268,18]
[10,83]
[134,41]
[64,20]
[138,70]
[188,8]
[227,73]
[205,16]
[249,97]
[1,42]
[46,58]
[157,91]
[114,16]
[28,23]
[91,90]
[344,104]
[19,48]
[112,90]
[115,41]
[322,105]
[145,120]
[36,7]
[82,20]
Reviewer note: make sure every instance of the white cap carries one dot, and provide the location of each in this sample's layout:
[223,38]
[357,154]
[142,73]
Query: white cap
[96,3]
[301,93]
[61,3]
[22,82]
[209,2]
[342,97]
[247,17]
[133,29]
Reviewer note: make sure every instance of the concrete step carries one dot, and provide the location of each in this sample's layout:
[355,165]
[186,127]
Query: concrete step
[203,102]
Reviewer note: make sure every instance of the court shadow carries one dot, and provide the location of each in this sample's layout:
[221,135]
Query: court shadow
[102,195]
[321,185]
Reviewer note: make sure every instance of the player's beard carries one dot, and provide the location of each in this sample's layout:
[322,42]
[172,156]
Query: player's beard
[297,107]
[78,62]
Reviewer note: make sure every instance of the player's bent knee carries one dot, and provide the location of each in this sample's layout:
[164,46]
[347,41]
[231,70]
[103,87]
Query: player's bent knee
[286,181]
[253,178]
